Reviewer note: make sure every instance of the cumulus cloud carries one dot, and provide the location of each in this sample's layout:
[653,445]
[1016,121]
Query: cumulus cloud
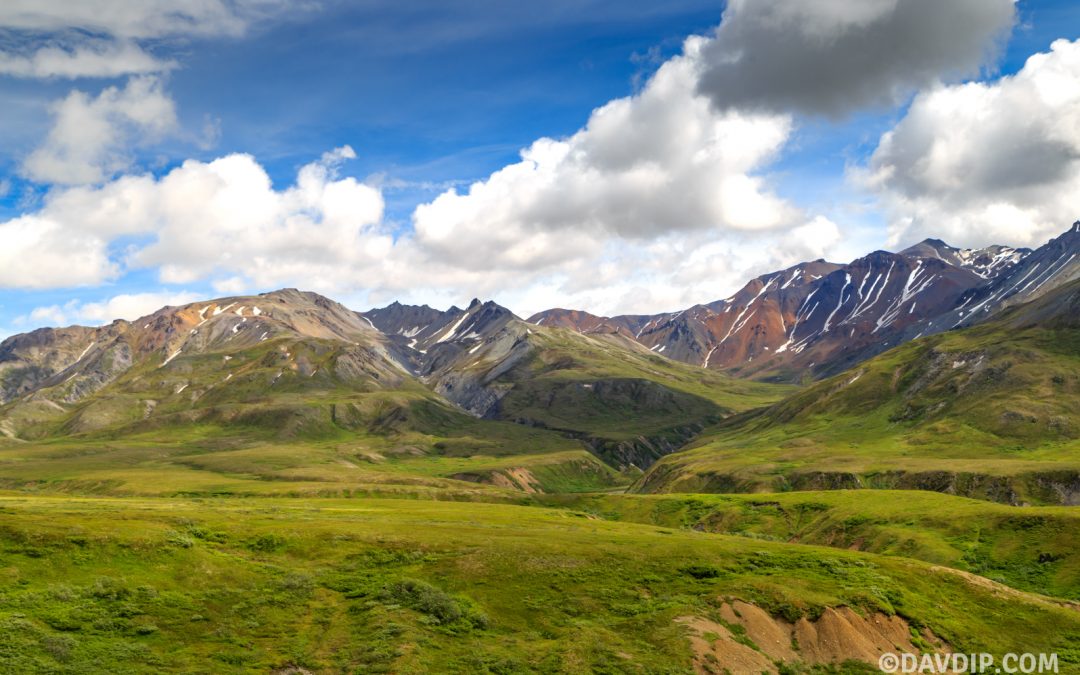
[658,162]
[993,162]
[657,202]
[224,222]
[202,220]
[831,57]
[91,136]
[52,315]
[39,252]
[226,216]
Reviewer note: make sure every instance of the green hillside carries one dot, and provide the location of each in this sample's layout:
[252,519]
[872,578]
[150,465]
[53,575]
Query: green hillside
[988,411]
[630,404]
[1032,549]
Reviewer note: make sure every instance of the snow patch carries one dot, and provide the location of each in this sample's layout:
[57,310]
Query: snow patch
[92,343]
[828,319]
[708,356]
[453,329]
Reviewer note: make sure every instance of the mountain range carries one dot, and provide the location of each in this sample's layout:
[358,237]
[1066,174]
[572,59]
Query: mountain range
[631,389]
[819,318]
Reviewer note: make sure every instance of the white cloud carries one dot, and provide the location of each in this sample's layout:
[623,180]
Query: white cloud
[223,221]
[230,285]
[658,202]
[131,306]
[98,59]
[40,252]
[982,163]
[127,306]
[143,19]
[106,38]
[91,137]
[225,216]
[645,166]
[835,56]
[53,315]
[204,220]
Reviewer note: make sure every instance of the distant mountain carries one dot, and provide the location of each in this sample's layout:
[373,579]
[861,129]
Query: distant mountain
[75,362]
[290,364]
[1037,273]
[633,388]
[203,356]
[987,263]
[818,318]
[628,404]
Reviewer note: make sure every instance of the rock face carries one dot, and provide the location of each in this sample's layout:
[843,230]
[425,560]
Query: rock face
[461,353]
[820,318]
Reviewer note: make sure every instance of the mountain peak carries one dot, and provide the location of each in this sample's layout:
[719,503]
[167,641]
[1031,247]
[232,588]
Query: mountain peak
[929,248]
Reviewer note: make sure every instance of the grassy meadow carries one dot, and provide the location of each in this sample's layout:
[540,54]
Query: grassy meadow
[415,586]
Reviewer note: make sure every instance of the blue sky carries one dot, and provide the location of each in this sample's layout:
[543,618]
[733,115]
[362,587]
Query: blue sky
[439,95]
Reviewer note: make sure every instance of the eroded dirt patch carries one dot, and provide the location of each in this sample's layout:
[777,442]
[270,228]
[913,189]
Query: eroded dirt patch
[747,639]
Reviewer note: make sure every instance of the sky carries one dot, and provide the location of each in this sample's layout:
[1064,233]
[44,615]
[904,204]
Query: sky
[611,156]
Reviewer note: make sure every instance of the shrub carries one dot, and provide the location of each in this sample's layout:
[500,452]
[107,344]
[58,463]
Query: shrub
[438,606]
[701,571]
[267,543]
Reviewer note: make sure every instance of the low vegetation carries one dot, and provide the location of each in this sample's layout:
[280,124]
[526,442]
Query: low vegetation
[373,585]
[1032,549]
